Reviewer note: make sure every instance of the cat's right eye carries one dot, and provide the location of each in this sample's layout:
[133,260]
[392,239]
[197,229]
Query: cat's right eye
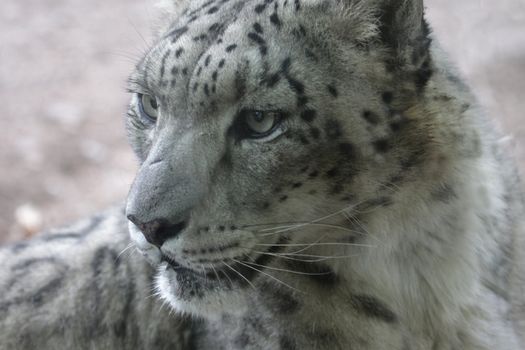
[148,107]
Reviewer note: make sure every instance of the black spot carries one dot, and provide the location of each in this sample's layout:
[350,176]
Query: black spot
[279,300]
[257,38]
[348,151]
[207,61]
[313,174]
[372,307]
[230,48]
[397,125]
[221,63]
[260,8]
[163,63]
[332,172]
[286,343]
[179,52]
[315,133]
[317,272]
[273,80]
[174,70]
[185,71]
[92,226]
[215,27]
[177,33]
[266,205]
[257,27]
[333,129]
[297,185]
[423,75]
[285,65]
[371,117]
[242,340]
[206,89]
[195,87]
[213,10]
[214,75]
[274,19]
[382,145]
[199,71]
[222,228]
[303,139]
[200,37]
[310,54]
[301,101]
[296,85]
[240,84]
[333,91]
[309,115]
[387,97]
[283,198]
[327,336]
[297,5]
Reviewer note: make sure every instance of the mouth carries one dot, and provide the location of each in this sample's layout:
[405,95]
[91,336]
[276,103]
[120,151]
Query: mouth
[241,270]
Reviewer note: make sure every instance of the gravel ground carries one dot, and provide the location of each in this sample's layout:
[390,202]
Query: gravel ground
[63,66]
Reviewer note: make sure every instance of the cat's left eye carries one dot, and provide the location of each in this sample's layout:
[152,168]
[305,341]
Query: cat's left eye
[259,124]
[149,107]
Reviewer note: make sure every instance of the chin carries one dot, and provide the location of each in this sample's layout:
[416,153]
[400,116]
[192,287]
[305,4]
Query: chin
[200,295]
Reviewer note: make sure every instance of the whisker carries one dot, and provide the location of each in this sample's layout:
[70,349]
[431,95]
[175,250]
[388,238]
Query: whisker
[349,207]
[268,275]
[228,277]
[216,275]
[241,275]
[317,244]
[325,257]
[273,223]
[128,247]
[354,220]
[290,271]
[315,258]
[294,227]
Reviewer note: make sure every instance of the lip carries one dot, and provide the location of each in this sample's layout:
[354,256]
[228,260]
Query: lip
[241,273]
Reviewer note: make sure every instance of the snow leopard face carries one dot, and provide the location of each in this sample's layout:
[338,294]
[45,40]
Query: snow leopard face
[259,126]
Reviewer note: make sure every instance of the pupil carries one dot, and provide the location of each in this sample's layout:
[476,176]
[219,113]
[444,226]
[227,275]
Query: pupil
[258,116]
[153,103]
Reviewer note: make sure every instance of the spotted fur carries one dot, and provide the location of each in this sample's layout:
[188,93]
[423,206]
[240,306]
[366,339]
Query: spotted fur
[381,210]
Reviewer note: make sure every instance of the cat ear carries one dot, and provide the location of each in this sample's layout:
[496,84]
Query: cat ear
[401,22]
[172,7]
[169,10]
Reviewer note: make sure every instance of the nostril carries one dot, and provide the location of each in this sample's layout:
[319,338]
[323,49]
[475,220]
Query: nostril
[157,231]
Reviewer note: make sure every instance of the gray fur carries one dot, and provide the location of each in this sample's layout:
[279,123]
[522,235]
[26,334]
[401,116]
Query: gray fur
[406,211]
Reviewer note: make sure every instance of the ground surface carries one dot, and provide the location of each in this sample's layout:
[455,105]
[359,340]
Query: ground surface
[63,66]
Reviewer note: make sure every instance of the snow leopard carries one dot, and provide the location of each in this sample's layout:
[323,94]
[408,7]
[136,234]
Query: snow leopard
[314,174]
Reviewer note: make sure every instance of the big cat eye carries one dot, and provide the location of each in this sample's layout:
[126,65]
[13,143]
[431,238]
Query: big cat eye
[259,124]
[149,107]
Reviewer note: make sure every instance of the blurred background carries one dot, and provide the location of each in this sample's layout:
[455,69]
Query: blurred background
[63,66]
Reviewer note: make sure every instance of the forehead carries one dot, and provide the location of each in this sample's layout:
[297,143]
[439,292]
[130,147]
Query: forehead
[222,45]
